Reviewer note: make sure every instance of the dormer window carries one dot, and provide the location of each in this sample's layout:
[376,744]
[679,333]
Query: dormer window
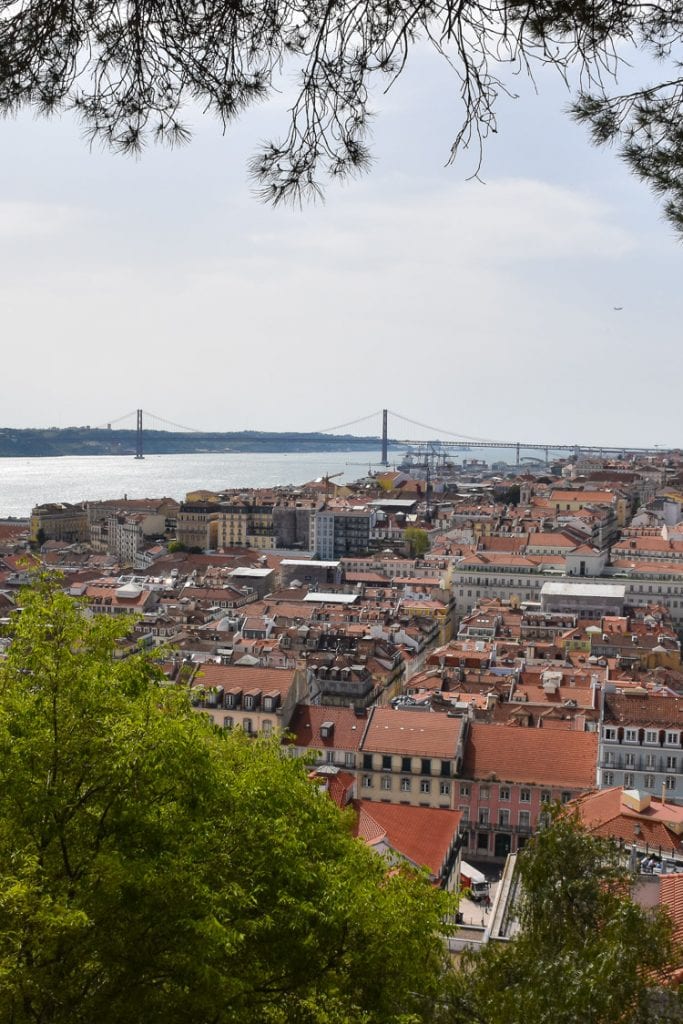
[630,735]
[651,736]
[609,733]
[673,739]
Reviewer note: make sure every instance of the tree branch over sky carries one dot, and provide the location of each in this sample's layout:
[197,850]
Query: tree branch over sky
[129,69]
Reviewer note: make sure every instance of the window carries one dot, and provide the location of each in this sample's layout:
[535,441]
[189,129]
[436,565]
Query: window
[267,728]
[227,722]
[609,733]
[425,785]
[484,792]
[367,762]
[524,819]
[673,738]
[672,762]
[630,760]
[565,797]
[629,780]
[246,725]
[386,762]
[465,811]
[446,768]
[350,760]
[670,782]
[608,778]
[329,756]
[649,782]
[649,760]
[525,796]
[426,767]
[386,782]
[482,841]
[445,789]
[483,815]
[504,817]
[504,792]
[546,796]
[405,785]
[464,791]
[367,782]
[651,736]
[631,735]
[406,764]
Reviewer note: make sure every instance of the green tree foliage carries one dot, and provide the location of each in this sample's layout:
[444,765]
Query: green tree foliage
[586,953]
[155,868]
[418,540]
[129,69]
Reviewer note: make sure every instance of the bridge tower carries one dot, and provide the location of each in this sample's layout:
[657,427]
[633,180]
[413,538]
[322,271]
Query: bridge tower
[139,453]
[384,459]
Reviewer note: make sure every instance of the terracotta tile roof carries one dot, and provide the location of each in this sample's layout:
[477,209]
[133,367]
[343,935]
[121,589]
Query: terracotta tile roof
[422,834]
[419,733]
[245,678]
[534,756]
[643,709]
[671,897]
[306,722]
[603,814]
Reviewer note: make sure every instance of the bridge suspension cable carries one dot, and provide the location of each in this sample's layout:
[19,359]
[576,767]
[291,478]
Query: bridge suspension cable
[351,423]
[176,426]
[120,419]
[449,433]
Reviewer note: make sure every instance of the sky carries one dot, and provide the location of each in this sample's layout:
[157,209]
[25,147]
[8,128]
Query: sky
[483,308]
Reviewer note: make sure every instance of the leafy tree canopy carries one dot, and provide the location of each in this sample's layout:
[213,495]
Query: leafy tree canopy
[129,69]
[418,540]
[586,953]
[154,868]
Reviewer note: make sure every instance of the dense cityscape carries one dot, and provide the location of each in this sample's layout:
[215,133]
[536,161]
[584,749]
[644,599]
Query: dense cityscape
[455,648]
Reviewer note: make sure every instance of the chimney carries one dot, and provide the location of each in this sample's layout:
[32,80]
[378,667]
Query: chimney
[663,793]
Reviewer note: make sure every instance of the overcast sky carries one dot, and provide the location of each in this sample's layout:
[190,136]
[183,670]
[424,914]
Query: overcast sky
[484,309]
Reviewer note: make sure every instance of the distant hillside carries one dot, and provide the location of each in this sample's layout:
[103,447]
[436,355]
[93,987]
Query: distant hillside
[39,443]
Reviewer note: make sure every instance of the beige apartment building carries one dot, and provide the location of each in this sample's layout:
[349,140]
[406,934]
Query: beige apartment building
[59,521]
[246,525]
[197,525]
[411,757]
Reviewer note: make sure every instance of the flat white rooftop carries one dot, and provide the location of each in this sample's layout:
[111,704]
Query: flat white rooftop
[616,590]
[320,598]
[253,573]
[309,561]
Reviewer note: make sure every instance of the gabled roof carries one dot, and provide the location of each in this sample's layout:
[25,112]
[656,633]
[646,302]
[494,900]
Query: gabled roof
[603,813]
[422,834]
[228,676]
[307,720]
[419,733]
[533,756]
[643,709]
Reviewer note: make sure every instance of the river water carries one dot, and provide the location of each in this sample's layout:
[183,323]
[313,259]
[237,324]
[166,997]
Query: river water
[28,482]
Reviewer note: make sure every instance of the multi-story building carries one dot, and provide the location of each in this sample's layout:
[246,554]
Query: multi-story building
[411,757]
[509,773]
[327,735]
[339,531]
[641,743]
[257,700]
[197,524]
[59,521]
[246,524]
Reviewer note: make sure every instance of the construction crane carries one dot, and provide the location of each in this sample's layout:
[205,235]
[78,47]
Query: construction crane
[326,480]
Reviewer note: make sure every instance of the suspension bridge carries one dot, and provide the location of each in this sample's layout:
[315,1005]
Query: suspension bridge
[438,439]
